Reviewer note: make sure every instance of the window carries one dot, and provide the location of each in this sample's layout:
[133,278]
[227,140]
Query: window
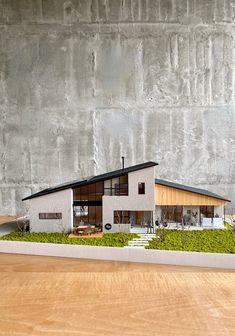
[91,192]
[87,214]
[121,217]
[172,213]
[207,211]
[141,188]
[50,215]
[117,186]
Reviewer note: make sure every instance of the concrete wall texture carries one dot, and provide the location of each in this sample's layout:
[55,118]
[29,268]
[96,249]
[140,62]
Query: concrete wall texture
[84,82]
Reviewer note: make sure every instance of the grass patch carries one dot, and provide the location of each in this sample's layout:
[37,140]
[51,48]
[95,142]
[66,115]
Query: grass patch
[220,241]
[108,239]
[228,226]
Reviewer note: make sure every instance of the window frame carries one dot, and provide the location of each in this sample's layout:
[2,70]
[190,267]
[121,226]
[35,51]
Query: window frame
[117,189]
[50,215]
[124,216]
[141,188]
[172,213]
[206,210]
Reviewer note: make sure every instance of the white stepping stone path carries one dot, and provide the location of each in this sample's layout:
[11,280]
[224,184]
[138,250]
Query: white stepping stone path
[142,241]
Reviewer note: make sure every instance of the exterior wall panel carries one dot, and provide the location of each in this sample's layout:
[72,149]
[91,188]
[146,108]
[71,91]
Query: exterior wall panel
[59,202]
[171,196]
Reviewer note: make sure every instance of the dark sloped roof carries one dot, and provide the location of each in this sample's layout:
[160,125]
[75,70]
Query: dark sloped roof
[190,189]
[92,179]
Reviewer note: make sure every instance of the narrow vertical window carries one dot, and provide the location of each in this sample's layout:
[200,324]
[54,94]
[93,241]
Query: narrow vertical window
[141,188]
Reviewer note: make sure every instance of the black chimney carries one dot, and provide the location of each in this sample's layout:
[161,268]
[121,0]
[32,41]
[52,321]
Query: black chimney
[123,158]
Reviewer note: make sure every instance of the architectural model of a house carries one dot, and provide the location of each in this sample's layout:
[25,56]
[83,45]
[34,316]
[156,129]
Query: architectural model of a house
[120,200]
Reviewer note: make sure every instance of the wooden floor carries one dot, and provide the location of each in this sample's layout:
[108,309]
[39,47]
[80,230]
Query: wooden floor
[58,296]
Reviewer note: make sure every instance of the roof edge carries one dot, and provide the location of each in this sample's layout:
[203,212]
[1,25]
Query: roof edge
[96,178]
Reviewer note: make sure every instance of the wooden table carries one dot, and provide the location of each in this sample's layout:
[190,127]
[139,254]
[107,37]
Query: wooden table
[49,296]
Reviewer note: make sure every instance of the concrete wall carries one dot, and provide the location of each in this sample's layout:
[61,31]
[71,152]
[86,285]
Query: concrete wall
[133,201]
[81,85]
[60,201]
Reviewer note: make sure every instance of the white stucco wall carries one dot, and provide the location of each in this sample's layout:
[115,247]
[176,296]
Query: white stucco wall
[60,201]
[219,210]
[132,202]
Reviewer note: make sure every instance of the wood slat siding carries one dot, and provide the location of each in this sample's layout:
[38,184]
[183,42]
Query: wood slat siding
[171,196]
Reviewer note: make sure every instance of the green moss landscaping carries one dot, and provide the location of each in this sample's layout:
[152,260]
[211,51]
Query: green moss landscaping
[109,239]
[220,241]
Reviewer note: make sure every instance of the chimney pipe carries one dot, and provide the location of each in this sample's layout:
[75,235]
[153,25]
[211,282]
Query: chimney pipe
[123,158]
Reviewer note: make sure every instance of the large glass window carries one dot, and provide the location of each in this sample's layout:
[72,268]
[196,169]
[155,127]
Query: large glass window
[123,185]
[207,211]
[98,214]
[80,214]
[108,187]
[84,193]
[94,191]
[92,214]
[117,186]
[99,190]
[172,213]
[121,217]
[90,192]
[87,214]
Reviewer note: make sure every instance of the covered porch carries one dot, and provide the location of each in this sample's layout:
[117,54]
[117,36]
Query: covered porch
[191,217]
[141,222]
[196,209]
[133,221]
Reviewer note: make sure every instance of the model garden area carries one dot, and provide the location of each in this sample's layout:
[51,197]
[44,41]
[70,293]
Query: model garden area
[217,241]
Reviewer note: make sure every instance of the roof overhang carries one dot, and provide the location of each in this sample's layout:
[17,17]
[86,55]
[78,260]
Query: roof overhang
[92,179]
[194,190]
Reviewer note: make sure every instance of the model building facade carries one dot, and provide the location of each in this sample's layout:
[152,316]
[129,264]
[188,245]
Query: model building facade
[120,200]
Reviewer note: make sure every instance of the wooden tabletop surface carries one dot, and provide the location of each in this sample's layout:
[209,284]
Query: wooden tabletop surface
[59,296]
[7,219]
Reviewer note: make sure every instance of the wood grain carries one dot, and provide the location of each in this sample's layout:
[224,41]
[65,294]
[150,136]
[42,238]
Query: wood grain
[7,219]
[171,196]
[58,296]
